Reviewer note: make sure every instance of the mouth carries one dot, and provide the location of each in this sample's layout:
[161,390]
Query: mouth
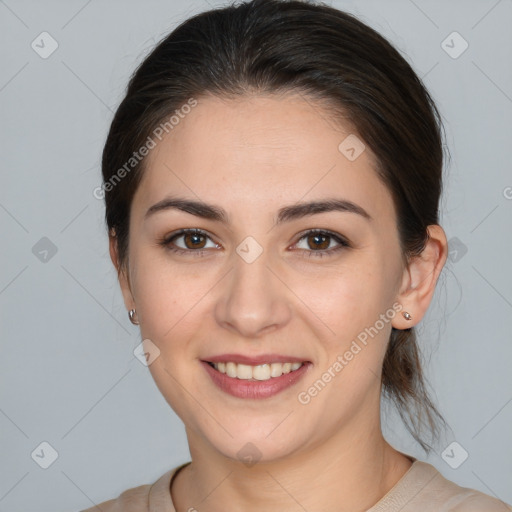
[260,372]
[255,381]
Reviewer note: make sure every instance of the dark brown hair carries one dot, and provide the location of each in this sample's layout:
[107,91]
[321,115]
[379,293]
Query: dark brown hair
[279,46]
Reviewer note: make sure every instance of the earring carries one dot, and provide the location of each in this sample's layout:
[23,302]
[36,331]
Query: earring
[131,315]
[406,315]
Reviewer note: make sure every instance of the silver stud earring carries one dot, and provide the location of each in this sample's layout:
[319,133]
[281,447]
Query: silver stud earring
[132,315]
[406,315]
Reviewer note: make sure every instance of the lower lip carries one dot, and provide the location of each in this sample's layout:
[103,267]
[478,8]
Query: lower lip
[255,389]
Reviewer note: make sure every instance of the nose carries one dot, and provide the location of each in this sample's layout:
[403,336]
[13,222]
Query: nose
[253,301]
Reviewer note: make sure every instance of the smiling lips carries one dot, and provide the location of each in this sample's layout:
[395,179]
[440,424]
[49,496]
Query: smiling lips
[259,372]
[256,377]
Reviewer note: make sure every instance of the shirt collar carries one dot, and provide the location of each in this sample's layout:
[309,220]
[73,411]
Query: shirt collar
[160,493]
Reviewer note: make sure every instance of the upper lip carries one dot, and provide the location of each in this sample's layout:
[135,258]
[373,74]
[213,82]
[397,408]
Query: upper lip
[254,360]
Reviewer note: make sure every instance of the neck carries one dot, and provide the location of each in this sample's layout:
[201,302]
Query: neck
[347,473]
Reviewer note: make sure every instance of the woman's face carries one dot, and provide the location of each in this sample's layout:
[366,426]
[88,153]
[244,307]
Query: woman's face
[254,287]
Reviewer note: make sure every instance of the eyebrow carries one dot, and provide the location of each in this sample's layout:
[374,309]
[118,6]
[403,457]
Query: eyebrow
[285,214]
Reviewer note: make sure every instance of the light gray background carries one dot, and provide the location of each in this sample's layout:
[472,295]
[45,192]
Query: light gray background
[68,374]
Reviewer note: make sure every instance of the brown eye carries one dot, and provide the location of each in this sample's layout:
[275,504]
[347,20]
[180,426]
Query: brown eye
[318,241]
[189,241]
[193,240]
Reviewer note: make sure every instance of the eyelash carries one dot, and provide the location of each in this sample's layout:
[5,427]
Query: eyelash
[343,243]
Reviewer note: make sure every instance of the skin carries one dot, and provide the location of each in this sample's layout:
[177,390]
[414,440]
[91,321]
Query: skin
[251,156]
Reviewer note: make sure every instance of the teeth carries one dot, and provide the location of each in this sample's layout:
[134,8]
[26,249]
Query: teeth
[259,372]
[231,370]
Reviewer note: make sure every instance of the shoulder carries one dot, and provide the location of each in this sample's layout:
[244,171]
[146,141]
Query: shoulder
[447,496]
[144,498]
[134,499]
[468,500]
[478,502]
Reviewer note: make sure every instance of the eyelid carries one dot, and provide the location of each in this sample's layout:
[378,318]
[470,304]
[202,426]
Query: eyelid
[342,242]
[319,231]
[339,239]
[166,240]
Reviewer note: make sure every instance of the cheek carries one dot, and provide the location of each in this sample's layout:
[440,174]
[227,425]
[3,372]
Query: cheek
[168,298]
[350,302]
[346,299]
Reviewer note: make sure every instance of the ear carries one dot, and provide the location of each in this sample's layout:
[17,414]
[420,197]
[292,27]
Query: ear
[124,281]
[420,278]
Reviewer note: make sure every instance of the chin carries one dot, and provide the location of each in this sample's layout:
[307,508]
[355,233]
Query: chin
[253,450]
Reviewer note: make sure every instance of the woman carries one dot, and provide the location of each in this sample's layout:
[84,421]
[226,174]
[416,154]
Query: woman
[272,182]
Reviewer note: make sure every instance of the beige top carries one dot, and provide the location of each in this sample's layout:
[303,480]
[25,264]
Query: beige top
[421,489]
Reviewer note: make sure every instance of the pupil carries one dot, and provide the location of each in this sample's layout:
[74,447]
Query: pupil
[195,238]
[318,240]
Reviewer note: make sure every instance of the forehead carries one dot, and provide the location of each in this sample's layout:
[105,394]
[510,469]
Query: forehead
[256,150]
